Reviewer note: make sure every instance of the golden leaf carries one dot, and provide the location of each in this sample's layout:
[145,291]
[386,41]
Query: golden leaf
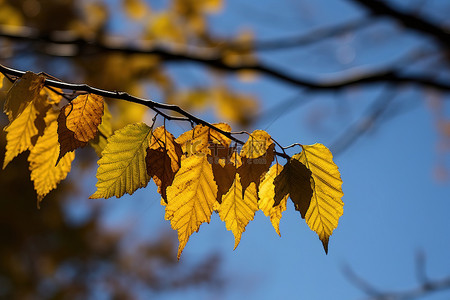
[24,90]
[135,8]
[237,210]
[266,198]
[295,180]
[200,138]
[84,114]
[257,144]
[163,159]
[53,95]
[122,167]
[23,131]
[326,205]
[45,174]
[2,77]
[191,198]
[19,133]
[104,132]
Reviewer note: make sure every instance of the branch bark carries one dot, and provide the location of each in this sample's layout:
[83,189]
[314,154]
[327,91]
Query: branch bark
[413,22]
[211,58]
[155,106]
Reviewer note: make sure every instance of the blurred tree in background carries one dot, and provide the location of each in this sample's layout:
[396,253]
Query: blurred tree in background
[148,48]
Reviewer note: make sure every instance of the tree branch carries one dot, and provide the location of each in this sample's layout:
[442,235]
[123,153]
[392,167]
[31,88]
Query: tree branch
[418,24]
[155,106]
[207,57]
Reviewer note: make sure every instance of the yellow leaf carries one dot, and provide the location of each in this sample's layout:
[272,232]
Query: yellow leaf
[23,131]
[326,205]
[19,133]
[295,180]
[44,174]
[24,90]
[163,159]
[2,77]
[104,132]
[191,198]
[199,139]
[266,198]
[84,114]
[212,6]
[257,144]
[53,95]
[237,210]
[136,9]
[122,167]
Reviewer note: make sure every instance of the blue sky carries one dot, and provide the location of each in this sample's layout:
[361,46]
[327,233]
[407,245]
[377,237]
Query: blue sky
[394,206]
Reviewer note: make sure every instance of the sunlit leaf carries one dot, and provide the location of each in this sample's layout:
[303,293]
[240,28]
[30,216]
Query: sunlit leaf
[45,174]
[19,133]
[199,139]
[191,198]
[122,168]
[326,205]
[53,95]
[136,9]
[237,210]
[266,197]
[23,131]
[84,114]
[257,144]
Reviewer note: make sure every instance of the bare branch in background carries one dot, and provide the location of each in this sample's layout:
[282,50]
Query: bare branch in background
[425,286]
[204,56]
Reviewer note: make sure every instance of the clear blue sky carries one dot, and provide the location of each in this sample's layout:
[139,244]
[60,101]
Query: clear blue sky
[394,206]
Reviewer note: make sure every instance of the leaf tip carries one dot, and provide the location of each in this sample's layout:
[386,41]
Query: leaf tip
[325,244]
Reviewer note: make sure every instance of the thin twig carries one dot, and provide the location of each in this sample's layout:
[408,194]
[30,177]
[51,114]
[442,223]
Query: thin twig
[155,106]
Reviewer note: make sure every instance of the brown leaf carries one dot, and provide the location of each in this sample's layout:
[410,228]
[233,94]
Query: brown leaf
[166,155]
[66,138]
[24,90]
[84,114]
[294,180]
[159,167]
[224,176]
[252,169]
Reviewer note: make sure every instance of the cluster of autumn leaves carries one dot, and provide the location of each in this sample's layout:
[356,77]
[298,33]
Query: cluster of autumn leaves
[198,173]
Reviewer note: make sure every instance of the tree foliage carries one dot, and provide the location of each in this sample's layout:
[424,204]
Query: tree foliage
[197,173]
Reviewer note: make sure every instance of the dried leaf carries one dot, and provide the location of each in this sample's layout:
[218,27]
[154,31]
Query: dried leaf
[295,181]
[104,132]
[24,90]
[252,169]
[66,137]
[84,114]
